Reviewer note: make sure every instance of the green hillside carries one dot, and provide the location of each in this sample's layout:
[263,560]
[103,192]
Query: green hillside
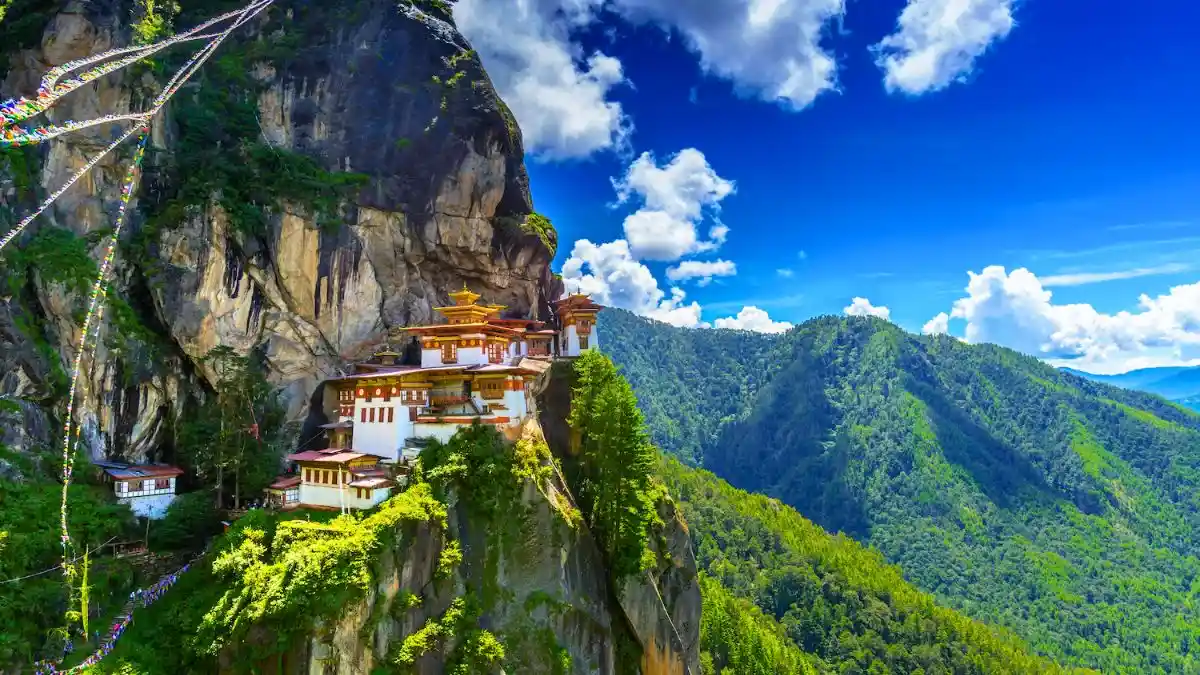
[837,600]
[1061,508]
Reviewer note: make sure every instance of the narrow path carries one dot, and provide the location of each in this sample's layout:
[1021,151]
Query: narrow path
[138,599]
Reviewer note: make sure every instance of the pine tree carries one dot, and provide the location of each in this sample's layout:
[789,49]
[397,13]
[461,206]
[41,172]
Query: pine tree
[617,458]
[237,433]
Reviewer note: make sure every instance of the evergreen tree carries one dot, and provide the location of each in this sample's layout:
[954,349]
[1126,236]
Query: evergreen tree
[239,433]
[617,459]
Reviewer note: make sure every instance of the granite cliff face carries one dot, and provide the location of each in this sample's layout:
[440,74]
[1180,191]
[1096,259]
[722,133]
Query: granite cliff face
[330,175]
[555,610]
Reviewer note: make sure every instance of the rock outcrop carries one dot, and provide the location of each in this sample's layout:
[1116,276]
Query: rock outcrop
[361,170]
[555,611]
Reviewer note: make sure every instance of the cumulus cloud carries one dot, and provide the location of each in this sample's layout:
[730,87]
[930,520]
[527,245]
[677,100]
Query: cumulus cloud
[1015,310]
[937,42]
[674,200]
[704,271]
[560,95]
[863,307]
[611,275]
[938,325]
[767,48]
[755,319]
[785,273]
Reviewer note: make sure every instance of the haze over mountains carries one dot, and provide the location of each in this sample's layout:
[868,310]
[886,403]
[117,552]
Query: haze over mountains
[1061,508]
[1180,383]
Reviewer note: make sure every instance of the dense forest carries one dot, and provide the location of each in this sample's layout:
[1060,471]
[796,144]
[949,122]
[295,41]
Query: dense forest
[825,602]
[1028,497]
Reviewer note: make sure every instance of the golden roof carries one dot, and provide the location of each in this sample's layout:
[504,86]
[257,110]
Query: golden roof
[464,297]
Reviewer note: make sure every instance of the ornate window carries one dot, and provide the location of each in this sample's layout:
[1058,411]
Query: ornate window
[583,342]
[449,352]
[495,352]
[493,389]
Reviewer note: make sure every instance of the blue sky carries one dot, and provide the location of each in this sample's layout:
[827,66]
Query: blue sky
[1057,139]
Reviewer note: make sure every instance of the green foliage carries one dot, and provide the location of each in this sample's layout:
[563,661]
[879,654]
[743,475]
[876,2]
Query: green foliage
[22,23]
[614,485]
[688,382]
[190,521]
[18,163]
[737,638]
[59,256]
[221,155]
[301,572]
[537,224]
[835,599]
[155,21]
[217,442]
[1063,509]
[477,651]
[31,608]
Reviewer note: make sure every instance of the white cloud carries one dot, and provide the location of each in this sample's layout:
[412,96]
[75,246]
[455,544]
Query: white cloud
[755,319]
[769,48]
[802,254]
[702,270]
[559,95]
[676,312]
[938,325]
[674,200]
[863,307]
[785,273]
[1083,278]
[610,274]
[1014,310]
[937,42]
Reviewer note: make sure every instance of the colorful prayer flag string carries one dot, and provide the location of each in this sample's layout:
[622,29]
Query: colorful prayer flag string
[172,87]
[100,288]
[51,90]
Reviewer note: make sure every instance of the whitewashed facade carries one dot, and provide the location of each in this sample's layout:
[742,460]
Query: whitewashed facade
[147,489]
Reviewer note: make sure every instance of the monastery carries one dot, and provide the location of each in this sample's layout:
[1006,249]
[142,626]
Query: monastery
[475,367]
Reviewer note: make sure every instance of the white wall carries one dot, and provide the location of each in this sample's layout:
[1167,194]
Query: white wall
[331,496]
[442,432]
[515,400]
[431,358]
[470,356]
[379,438]
[570,346]
[153,507]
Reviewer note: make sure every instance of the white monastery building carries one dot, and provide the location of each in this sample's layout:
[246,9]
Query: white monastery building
[148,489]
[473,368]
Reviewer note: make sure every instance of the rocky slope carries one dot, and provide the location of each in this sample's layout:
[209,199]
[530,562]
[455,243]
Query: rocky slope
[330,175]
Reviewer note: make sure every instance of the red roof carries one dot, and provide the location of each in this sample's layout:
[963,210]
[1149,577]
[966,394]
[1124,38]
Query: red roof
[285,482]
[331,455]
[144,471]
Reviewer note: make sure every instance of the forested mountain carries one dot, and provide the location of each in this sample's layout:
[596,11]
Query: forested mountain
[842,604]
[1061,508]
[1175,383]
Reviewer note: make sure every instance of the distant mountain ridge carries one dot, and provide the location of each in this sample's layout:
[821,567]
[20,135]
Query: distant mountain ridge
[1064,509]
[1174,383]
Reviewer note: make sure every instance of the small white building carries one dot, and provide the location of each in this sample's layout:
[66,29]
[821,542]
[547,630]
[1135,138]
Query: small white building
[577,325]
[338,479]
[148,489]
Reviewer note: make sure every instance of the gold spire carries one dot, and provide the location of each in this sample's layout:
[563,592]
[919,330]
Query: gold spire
[464,297]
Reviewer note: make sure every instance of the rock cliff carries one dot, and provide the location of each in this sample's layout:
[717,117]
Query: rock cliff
[551,604]
[330,174]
